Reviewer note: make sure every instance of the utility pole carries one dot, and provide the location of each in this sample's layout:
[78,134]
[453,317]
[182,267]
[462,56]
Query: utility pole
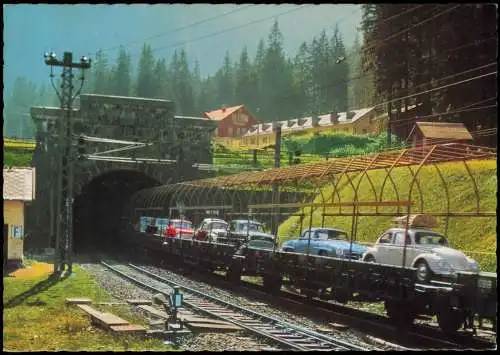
[277,158]
[65,156]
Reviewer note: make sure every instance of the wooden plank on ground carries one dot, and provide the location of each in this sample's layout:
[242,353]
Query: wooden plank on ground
[128,328]
[78,301]
[338,326]
[108,319]
[212,326]
[138,302]
[155,312]
[88,309]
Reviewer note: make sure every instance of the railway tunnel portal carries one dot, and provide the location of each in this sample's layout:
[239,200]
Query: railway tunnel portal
[130,144]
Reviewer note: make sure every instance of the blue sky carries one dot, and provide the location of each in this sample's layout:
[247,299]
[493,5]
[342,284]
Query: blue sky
[31,30]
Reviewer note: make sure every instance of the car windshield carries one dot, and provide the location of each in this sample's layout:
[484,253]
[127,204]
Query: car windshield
[182,224]
[332,234]
[217,225]
[260,244]
[251,227]
[428,238]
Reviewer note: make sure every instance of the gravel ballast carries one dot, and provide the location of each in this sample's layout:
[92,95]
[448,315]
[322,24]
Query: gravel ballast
[121,289]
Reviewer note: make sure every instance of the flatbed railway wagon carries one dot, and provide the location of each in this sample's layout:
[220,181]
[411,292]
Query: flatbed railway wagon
[321,188]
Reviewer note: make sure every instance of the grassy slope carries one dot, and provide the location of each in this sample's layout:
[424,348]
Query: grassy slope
[16,158]
[474,236]
[42,322]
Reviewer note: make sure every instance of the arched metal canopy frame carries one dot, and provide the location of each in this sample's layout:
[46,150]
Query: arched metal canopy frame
[337,174]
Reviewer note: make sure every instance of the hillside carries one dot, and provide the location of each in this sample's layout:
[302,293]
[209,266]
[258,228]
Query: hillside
[313,147]
[16,158]
[475,236]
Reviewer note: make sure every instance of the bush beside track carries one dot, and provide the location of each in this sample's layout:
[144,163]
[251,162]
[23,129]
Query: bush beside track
[475,236]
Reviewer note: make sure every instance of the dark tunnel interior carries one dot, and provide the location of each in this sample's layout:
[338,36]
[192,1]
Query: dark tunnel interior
[100,205]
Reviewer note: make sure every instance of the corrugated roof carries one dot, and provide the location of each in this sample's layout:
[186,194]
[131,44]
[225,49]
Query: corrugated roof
[444,130]
[307,122]
[220,114]
[19,184]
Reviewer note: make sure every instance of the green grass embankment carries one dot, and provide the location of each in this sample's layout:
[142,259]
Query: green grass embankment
[475,236]
[16,158]
[41,321]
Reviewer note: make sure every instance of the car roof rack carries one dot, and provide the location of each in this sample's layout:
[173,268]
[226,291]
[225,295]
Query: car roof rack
[416,221]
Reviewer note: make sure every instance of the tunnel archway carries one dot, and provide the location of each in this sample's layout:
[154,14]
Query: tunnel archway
[99,207]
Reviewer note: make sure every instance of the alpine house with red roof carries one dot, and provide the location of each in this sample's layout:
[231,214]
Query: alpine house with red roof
[232,121]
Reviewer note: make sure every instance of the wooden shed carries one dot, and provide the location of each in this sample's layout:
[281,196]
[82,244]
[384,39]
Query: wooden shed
[430,133]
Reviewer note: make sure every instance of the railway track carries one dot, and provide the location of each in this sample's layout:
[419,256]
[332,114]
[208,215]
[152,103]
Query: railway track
[419,336]
[286,335]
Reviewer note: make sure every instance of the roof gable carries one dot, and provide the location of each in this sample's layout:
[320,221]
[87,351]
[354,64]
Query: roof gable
[19,184]
[220,114]
[444,130]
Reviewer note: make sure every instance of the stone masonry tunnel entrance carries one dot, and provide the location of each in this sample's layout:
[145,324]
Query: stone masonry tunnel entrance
[98,208]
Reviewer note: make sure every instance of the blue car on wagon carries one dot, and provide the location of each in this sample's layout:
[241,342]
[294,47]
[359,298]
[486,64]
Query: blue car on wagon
[331,242]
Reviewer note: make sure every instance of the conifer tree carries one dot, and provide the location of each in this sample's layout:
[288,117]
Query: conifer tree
[121,83]
[145,77]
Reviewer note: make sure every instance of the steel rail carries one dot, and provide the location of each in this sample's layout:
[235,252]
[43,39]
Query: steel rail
[350,314]
[261,322]
[261,316]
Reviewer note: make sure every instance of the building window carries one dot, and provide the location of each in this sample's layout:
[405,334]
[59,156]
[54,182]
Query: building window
[230,131]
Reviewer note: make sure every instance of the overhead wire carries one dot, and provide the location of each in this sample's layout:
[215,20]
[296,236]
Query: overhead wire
[433,81]
[173,45]
[240,8]
[466,108]
[384,40]
[392,36]
[438,88]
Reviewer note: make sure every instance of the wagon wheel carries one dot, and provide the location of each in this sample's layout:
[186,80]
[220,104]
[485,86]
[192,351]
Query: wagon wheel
[233,274]
[450,320]
[272,283]
[399,313]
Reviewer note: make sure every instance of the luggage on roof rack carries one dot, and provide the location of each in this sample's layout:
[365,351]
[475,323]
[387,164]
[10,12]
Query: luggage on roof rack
[416,220]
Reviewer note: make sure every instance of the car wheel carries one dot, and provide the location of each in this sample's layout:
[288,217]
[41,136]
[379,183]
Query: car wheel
[423,271]
[323,253]
[370,259]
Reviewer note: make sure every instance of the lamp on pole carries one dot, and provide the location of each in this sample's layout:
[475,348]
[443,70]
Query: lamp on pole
[65,155]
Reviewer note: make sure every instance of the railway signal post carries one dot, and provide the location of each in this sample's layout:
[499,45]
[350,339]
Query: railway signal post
[65,156]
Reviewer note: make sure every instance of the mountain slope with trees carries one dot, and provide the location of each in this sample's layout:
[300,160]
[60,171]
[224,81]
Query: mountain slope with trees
[273,85]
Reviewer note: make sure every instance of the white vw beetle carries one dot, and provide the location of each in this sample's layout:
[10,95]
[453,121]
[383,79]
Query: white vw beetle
[426,250]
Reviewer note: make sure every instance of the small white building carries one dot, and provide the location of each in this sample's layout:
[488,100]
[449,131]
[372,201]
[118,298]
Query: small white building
[18,191]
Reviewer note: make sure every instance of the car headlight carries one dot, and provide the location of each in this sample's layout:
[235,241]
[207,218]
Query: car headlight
[445,266]
[473,264]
